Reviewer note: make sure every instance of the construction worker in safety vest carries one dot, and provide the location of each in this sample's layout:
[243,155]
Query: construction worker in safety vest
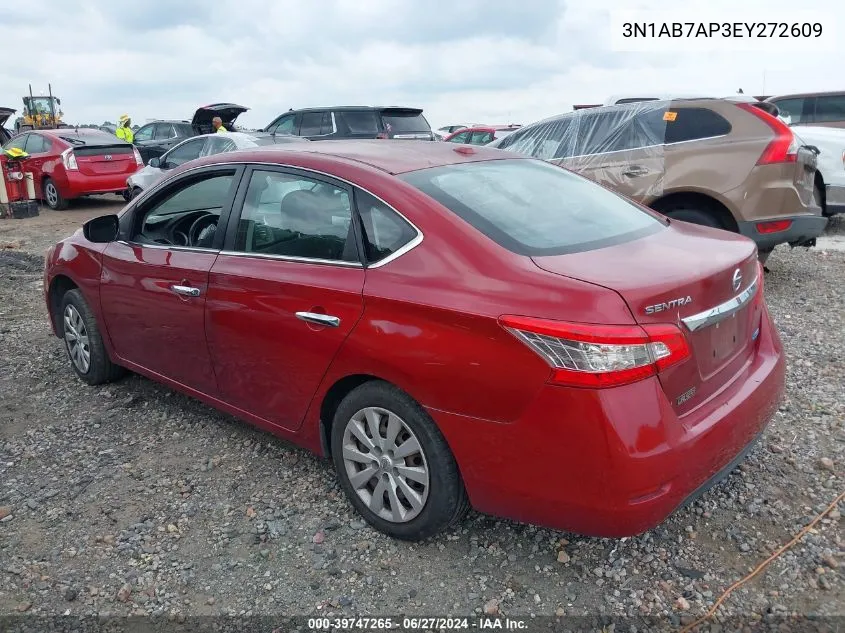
[124,129]
[217,122]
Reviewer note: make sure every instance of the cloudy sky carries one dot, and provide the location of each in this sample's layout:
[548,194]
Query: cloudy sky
[463,61]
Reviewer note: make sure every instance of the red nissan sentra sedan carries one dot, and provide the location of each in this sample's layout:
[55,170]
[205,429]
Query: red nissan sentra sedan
[453,326]
[68,163]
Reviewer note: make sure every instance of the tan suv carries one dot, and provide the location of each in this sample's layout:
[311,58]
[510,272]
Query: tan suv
[715,162]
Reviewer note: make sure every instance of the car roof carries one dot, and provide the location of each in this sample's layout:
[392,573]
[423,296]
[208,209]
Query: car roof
[392,157]
[166,121]
[831,93]
[358,107]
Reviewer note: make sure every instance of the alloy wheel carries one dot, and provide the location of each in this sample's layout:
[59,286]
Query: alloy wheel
[52,194]
[385,464]
[76,339]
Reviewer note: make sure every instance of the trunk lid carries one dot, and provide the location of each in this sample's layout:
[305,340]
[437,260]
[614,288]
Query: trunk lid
[228,112]
[673,275]
[103,160]
[5,113]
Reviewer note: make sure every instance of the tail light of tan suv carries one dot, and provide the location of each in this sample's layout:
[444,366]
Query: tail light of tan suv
[784,147]
[599,356]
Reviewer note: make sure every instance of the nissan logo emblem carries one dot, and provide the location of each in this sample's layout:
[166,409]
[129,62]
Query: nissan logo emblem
[107,156]
[737,280]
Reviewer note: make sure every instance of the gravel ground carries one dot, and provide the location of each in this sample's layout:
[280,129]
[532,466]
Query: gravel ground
[132,499]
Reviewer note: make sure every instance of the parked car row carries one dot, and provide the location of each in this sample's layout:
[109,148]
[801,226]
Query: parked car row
[721,163]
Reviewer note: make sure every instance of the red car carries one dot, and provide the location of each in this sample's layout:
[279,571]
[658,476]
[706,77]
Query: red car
[451,325]
[481,135]
[68,163]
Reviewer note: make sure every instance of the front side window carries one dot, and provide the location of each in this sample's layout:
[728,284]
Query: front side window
[296,216]
[313,124]
[189,150]
[481,138]
[546,141]
[18,142]
[185,213]
[145,133]
[463,137]
[285,125]
[533,208]
[385,231]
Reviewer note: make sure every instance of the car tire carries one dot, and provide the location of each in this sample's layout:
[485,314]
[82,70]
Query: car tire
[52,196]
[693,216]
[395,468]
[84,343]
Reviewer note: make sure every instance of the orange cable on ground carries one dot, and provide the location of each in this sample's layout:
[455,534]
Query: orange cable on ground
[762,565]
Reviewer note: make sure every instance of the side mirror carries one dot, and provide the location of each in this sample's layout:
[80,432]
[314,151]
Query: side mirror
[154,162]
[102,230]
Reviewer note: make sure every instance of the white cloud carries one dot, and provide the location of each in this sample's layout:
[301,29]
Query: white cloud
[469,61]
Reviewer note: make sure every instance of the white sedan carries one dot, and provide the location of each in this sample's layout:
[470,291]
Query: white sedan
[830,171]
[197,147]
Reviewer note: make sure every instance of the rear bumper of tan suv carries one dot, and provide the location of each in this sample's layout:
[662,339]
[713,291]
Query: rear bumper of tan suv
[802,231]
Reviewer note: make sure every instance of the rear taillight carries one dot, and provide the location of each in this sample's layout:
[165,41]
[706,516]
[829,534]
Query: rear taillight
[775,226]
[599,356]
[69,160]
[784,147]
[138,160]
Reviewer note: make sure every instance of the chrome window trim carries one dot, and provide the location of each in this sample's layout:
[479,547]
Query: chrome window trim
[409,246]
[722,311]
[292,258]
[165,247]
[636,149]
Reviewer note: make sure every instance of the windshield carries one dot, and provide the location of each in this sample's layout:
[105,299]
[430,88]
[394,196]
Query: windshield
[533,208]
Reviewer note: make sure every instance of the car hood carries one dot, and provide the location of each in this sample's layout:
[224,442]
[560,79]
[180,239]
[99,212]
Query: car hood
[5,113]
[228,112]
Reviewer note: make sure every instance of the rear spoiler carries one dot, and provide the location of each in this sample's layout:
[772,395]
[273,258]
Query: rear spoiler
[395,110]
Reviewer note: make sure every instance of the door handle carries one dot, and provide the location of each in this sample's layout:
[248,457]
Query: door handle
[635,170]
[185,291]
[318,319]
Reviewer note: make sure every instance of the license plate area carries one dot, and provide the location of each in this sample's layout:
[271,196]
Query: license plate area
[719,344]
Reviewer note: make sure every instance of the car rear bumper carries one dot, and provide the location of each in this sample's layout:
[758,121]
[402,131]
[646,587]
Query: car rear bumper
[802,231]
[80,185]
[835,199]
[614,462]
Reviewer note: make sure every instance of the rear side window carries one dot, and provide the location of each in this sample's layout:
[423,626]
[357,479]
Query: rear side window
[690,124]
[533,208]
[359,121]
[385,231]
[296,216]
[184,129]
[36,144]
[398,122]
[163,131]
[830,108]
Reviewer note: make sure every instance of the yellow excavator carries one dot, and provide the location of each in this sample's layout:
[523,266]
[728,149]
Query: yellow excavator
[40,112]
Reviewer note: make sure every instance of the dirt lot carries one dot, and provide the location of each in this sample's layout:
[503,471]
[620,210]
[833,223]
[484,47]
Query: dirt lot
[132,499]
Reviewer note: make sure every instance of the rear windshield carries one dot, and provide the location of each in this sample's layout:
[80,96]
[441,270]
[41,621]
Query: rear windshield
[533,208]
[399,122]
